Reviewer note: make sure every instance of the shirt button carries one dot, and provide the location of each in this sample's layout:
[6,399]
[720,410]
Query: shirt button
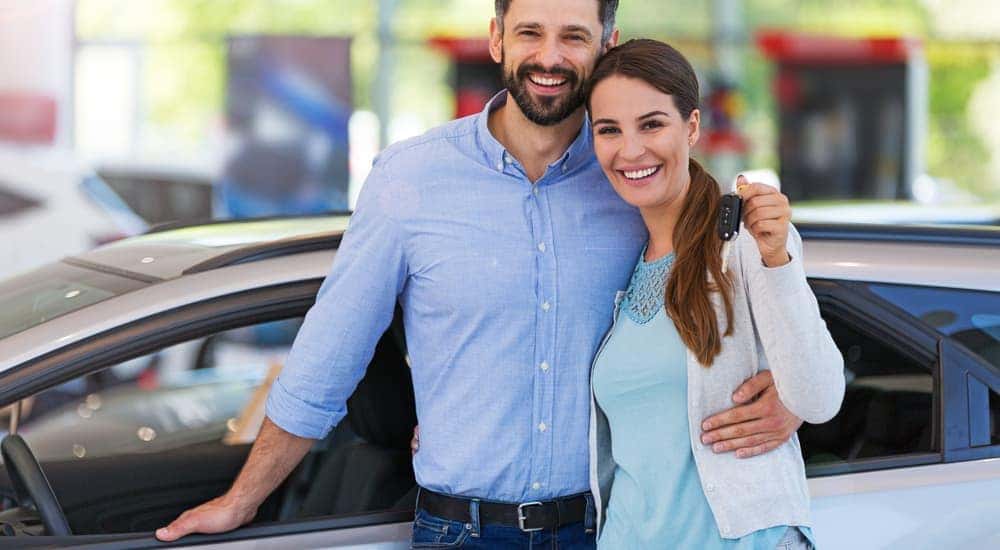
[545,306]
[534,189]
[564,168]
[500,166]
[541,247]
[544,366]
[506,157]
[536,485]
[542,427]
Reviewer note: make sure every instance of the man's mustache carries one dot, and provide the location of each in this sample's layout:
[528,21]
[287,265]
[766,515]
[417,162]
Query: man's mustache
[523,70]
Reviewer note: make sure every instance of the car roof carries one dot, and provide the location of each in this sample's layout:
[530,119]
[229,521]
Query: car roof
[194,264]
[949,256]
[966,257]
[172,252]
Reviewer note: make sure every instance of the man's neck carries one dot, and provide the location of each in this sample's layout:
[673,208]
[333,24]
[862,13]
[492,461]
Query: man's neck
[533,145]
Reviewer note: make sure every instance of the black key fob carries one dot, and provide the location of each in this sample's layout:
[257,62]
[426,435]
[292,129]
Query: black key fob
[730,213]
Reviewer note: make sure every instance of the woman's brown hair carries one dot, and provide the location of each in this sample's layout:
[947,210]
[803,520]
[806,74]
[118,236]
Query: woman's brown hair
[697,270]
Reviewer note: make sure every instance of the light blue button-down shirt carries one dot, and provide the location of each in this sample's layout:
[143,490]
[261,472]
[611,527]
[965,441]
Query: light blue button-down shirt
[506,287]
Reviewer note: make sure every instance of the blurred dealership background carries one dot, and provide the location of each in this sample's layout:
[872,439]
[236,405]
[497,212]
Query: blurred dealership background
[118,115]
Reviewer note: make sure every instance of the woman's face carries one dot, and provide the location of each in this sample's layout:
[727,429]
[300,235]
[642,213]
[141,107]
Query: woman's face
[642,141]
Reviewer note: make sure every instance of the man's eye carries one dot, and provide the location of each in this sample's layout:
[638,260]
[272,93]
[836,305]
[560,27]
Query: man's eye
[575,37]
[529,34]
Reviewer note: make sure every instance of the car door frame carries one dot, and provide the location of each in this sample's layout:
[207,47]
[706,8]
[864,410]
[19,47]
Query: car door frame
[171,327]
[852,303]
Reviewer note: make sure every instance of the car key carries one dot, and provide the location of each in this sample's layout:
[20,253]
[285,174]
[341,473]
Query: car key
[730,212]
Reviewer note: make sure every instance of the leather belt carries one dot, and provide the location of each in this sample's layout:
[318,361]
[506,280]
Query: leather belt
[528,517]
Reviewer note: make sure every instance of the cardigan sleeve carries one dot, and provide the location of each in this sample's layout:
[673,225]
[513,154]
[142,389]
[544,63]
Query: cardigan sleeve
[808,368]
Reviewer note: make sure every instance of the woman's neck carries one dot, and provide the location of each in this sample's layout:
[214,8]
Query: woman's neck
[660,223]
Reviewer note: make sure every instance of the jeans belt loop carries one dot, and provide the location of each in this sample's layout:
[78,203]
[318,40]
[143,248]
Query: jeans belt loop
[521,517]
[590,516]
[474,517]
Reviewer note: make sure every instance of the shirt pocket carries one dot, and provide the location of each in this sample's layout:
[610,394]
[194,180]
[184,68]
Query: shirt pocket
[433,532]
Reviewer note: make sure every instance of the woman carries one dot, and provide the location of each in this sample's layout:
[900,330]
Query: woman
[697,319]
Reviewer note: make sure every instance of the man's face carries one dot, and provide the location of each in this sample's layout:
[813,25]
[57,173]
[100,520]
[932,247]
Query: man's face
[548,49]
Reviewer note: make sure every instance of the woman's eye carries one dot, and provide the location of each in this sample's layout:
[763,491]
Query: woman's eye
[651,125]
[607,130]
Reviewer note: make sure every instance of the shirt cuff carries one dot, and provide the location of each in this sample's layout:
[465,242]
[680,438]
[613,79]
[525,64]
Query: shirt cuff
[785,278]
[299,417]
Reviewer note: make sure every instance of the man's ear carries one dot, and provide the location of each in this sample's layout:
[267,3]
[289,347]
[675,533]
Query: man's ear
[613,41]
[496,40]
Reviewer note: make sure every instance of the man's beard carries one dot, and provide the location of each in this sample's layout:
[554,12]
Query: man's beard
[544,110]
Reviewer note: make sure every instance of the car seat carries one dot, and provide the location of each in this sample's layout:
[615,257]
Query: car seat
[375,470]
[897,422]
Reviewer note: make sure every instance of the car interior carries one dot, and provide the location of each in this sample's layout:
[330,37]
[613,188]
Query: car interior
[364,465]
[887,408]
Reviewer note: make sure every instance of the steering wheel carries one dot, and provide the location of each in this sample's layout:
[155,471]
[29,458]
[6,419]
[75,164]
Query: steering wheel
[31,486]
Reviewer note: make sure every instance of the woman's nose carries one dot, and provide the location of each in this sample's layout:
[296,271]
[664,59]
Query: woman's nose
[632,147]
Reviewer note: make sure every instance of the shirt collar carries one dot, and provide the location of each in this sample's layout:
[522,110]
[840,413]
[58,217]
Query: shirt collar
[580,151]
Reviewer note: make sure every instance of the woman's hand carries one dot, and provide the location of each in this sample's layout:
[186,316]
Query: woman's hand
[766,214]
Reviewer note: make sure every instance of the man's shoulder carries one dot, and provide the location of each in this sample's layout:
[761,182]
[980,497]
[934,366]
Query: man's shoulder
[455,137]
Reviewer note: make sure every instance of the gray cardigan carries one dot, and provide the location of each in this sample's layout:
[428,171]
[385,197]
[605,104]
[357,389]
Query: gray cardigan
[776,325]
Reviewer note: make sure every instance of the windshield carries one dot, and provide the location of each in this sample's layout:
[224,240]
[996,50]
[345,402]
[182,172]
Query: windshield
[37,296]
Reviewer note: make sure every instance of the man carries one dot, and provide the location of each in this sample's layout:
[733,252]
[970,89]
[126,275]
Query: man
[504,244]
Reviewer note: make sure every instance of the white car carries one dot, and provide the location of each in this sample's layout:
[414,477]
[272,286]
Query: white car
[138,371]
[53,205]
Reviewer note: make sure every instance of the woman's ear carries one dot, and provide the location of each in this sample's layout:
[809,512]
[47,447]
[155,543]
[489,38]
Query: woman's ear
[496,40]
[694,127]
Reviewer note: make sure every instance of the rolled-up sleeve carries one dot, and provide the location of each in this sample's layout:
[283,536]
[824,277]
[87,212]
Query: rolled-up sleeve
[353,308]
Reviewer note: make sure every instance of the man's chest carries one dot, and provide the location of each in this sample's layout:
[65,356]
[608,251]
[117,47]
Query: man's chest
[522,246]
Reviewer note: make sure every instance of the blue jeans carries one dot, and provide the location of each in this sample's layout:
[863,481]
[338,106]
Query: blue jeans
[435,532]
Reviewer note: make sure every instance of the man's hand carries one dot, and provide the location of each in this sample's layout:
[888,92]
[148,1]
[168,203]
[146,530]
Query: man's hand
[273,456]
[758,424]
[215,516]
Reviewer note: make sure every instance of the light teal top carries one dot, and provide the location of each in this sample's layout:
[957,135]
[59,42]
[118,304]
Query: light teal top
[640,381]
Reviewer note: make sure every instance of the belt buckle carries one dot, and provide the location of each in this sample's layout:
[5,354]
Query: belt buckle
[521,517]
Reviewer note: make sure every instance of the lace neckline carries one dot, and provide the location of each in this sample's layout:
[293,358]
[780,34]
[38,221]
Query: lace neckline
[644,297]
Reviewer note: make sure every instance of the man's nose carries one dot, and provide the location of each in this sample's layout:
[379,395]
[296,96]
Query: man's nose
[550,54]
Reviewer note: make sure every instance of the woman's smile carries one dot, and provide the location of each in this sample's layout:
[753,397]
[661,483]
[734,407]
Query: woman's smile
[639,177]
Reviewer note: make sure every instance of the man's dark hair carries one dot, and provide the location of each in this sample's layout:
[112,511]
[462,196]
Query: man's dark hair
[606,12]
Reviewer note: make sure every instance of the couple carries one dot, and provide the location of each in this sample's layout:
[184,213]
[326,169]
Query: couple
[505,245]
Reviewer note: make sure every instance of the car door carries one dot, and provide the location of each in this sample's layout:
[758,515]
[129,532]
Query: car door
[911,460]
[122,497]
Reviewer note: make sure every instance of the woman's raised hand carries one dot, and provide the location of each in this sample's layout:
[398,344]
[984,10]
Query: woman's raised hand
[766,214]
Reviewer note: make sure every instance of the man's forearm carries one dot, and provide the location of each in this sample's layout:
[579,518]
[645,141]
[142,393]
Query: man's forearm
[274,455]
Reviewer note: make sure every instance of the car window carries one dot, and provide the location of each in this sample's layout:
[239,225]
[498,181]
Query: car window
[12,203]
[46,293]
[130,447]
[887,407]
[968,316]
[994,418]
[199,391]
